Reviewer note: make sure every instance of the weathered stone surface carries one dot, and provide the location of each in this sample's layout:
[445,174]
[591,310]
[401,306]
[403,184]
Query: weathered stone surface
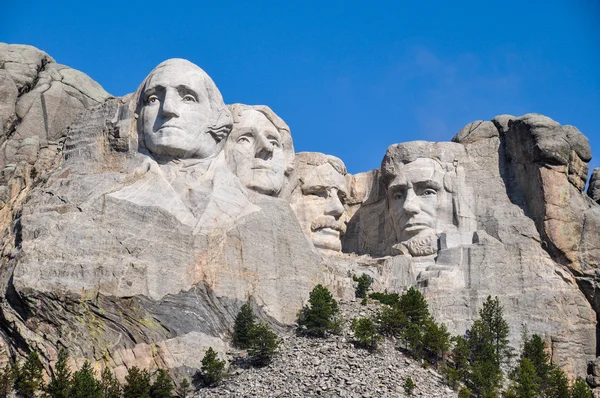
[594,187]
[319,197]
[133,232]
[260,151]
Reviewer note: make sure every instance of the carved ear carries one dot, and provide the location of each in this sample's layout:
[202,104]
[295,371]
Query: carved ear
[449,181]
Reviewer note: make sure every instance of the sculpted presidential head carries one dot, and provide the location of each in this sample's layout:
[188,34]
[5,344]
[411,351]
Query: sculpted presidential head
[259,149]
[181,113]
[318,199]
[422,196]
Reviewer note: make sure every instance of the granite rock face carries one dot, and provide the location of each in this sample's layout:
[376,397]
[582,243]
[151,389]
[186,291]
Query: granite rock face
[134,228]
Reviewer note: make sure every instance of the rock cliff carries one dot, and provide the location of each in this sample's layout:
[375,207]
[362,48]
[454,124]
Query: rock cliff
[134,228]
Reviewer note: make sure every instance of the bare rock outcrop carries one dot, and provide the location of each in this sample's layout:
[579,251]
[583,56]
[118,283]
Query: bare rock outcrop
[134,228]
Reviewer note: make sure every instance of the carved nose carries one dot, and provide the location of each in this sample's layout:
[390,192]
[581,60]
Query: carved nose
[334,206]
[411,205]
[169,107]
[263,149]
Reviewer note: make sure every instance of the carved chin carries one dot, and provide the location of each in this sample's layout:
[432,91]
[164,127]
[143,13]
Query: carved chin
[419,246]
[327,239]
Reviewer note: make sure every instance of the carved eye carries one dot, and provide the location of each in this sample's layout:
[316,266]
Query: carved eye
[152,99]
[399,195]
[246,138]
[189,98]
[274,141]
[429,192]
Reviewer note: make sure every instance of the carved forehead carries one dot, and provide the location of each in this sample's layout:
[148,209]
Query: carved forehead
[176,72]
[252,120]
[420,170]
[324,175]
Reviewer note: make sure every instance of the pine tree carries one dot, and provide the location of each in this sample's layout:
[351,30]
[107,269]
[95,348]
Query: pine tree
[6,380]
[492,316]
[557,384]
[534,349]
[84,384]
[409,386]
[414,306]
[263,345]
[162,386]
[28,378]
[464,392]
[525,381]
[60,381]
[365,333]
[212,371]
[580,389]
[460,358]
[364,282]
[320,316]
[137,383]
[109,384]
[436,340]
[184,389]
[392,321]
[244,321]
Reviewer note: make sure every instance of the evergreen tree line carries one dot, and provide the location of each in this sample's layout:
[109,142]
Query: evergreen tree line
[472,364]
[26,380]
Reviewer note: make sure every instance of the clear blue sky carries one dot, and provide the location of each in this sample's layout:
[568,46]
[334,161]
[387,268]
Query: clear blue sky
[350,78]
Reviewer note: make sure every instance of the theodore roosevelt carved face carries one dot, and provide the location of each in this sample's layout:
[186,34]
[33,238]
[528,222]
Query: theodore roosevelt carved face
[318,201]
[259,149]
[181,112]
[419,205]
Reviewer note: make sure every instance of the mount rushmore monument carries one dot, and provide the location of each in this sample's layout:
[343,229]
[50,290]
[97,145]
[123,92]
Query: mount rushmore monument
[134,228]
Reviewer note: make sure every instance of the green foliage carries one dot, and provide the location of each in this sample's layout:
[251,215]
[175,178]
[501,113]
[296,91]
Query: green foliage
[390,299]
[580,389]
[414,306]
[243,323]
[184,389]
[464,392]
[263,344]
[6,380]
[60,381]
[557,384]
[409,386]
[487,342]
[28,378]
[212,371]
[319,317]
[492,316]
[525,381]
[364,282]
[365,333]
[137,383]
[162,386]
[392,321]
[109,384]
[534,349]
[435,340]
[84,384]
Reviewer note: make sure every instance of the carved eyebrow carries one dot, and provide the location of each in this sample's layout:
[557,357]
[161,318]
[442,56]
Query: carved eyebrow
[184,89]
[428,184]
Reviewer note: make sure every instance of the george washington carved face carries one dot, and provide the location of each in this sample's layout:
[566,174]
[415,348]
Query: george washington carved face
[181,112]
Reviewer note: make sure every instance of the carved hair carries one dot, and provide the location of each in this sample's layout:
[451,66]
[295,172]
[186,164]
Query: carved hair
[318,159]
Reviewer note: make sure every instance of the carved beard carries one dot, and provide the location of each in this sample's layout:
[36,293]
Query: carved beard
[418,246]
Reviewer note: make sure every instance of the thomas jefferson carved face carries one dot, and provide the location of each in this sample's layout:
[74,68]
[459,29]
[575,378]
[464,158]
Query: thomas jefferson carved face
[178,114]
[419,205]
[255,153]
[319,201]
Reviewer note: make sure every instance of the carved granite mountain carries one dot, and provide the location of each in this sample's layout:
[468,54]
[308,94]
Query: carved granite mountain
[134,228]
